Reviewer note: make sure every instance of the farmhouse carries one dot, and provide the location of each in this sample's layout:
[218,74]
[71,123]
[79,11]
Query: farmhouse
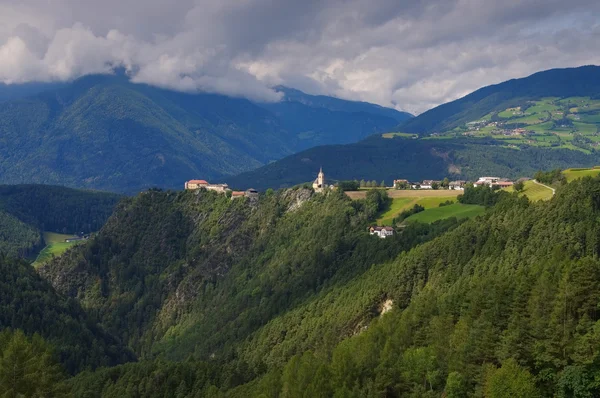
[457,185]
[237,194]
[493,182]
[382,232]
[428,184]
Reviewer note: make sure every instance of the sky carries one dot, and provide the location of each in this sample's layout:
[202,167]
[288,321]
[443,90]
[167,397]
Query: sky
[411,55]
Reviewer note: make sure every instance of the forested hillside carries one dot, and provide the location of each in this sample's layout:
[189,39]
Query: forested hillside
[28,210]
[321,120]
[29,303]
[302,302]
[192,274]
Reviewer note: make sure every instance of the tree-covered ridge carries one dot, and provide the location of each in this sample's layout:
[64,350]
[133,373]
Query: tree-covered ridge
[192,274]
[504,305]
[27,210]
[17,238]
[29,303]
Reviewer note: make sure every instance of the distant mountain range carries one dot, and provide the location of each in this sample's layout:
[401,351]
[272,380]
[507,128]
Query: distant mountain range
[390,156]
[104,132]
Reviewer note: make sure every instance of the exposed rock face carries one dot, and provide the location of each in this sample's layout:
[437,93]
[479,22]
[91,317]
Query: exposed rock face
[297,198]
[386,306]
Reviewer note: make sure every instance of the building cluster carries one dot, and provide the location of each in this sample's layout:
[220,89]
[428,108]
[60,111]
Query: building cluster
[430,184]
[493,182]
[458,185]
[220,188]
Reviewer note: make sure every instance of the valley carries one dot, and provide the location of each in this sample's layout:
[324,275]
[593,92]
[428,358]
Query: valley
[448,284]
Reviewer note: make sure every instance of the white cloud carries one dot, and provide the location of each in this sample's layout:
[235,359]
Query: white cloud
[412,54]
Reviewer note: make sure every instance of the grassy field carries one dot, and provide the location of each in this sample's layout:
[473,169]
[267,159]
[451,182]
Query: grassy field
[397,206]
[457,210]
[573,174]
[403,200]
[55,246]
[534,191]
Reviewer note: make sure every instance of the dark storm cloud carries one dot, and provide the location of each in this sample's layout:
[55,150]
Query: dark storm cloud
[411,54]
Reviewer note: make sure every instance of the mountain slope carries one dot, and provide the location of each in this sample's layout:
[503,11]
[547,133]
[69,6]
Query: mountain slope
[193,274]
[571,82]
[322,120]
[29,303]
[503,304]
[104,132]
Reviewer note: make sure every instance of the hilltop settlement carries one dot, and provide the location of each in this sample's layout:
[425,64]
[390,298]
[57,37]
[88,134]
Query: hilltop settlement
[220,188]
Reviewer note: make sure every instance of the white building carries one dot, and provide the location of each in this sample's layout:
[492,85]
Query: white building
[382,232]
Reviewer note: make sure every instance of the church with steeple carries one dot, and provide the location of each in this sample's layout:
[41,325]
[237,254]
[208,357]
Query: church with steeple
[319,183]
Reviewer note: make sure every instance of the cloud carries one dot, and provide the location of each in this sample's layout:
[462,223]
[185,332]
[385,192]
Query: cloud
[412,54]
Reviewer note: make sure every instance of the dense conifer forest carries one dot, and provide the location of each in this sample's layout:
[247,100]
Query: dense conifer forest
[289,296]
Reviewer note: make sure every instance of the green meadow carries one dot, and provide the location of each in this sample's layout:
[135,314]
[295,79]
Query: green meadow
[457,210]
[573,174]
[55,246]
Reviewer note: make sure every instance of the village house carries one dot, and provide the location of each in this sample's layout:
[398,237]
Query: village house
[428,184]
[493,182]
[382,232]
[237,194]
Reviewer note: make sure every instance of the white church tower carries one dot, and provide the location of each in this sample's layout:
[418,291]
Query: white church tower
[319,183]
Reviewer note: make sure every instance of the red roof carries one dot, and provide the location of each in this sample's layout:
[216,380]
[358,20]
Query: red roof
[199,182]
[238,193]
